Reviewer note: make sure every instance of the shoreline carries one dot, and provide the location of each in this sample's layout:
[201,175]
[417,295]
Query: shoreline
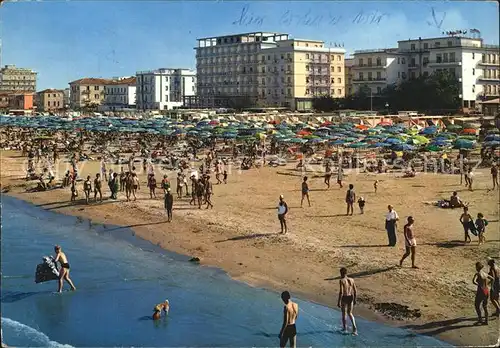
[300,262]
[136,240]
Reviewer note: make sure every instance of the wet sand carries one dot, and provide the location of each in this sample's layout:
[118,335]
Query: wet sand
[241,236]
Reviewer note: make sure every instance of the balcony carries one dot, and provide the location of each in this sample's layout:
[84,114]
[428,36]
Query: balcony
[439,63]
[370,80]
[488,78]
[491,63]
[368,66]
[413,66]
[318,62]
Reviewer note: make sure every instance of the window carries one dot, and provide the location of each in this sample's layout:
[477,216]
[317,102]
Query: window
[289,79]
[439,59]
[452,56]
[332,80]
[399,74]
[445,57]
[450,43]
[88,88]
[332,69]
[379,61]
[307,55]
[339,80]
[412,47]
[339,69]
[452,71]
[425,61]
[473,88]
[369,62]
[403,61]
[399,61]
[96,88]
[339,58]
[413,74]
[268,57]
[437,44]
[289,92]
[412,62]
[403,75]
[379,75]
[307,79]
[361,76]
[473,71]
[379,90]
[369,76]
[339,91]
[361,62]
[96,96]
[48,103]
[332,92]
[307,67]
[473,55]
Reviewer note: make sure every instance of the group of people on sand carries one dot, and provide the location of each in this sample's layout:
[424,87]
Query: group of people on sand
[488,287]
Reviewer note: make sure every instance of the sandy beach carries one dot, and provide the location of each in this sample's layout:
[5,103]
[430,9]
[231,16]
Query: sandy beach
[241,236]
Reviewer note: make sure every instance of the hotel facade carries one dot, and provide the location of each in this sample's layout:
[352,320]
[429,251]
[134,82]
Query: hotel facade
[87,92]
[164,89]
[266,70]
[119,95]
[14,79]
[475,64]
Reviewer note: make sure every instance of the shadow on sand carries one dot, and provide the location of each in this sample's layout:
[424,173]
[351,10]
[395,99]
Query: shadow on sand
[249,236]
[438,327]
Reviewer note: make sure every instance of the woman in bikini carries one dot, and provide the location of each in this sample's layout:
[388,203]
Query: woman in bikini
[482,293]
[495,286]
[64,271]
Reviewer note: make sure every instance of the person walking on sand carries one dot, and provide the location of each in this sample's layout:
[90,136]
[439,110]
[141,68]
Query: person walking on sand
[350,198]
[361,203]
[480,225]
[135,185]
[494,175]
[482,293]
[375,185]
[114,186]
[208,192]
[180,185]
[152,185]
[328,174]
[495,286]
[64,271]
[466,221]
[169,203]
[305,192]
[347,299]
[98,187]
[340,174]
[282,211]
[470,178]
[87,189]
[410,243]
[391,219]
[288,332]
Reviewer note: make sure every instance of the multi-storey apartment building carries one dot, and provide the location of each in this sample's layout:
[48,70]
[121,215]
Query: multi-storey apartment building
[227,67]
[164,89]
[87,92]
[474,63]
[13,79]
[119,94]
[268,69]
[349,63]
[295,71]
[50,100]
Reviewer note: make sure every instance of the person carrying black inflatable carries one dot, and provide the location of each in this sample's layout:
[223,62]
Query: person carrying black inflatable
[64,271]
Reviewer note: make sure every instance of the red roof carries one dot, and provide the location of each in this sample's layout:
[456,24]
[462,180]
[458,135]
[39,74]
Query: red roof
[126,81]
[52,90]
[91,81]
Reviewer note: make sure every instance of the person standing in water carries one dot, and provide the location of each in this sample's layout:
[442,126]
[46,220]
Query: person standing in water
[288,330]
[482,293]
[64,271]
[87,189]
[347,299]
[305,192]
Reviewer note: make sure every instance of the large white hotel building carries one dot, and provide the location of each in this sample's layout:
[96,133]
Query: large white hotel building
[266,69]
[475,64]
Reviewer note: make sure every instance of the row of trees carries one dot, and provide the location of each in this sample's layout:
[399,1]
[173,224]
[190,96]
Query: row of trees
[438,92]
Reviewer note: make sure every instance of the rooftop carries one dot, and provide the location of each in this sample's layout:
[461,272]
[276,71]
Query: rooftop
[52,90]
[90,81]
[124,81]
[255,33]
[378,50]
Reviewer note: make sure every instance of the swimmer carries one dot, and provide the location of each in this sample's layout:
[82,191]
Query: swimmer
[165,307]
[64,271]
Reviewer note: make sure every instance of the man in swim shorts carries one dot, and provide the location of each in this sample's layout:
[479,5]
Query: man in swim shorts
[410,243]
[64,271]
[347,299]
[282,211]
[288,330]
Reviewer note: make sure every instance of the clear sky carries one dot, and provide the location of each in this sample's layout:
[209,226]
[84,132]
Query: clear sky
[67,40]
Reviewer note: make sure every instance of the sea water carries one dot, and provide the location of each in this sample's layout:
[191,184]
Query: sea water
[120,278]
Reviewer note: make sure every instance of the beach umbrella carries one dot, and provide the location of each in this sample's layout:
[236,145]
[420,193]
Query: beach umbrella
[339,142]
[316,140]
[429,130]
[421,139]
[384,124]
[361,127]
[380,145]
[402,147]
[492,137]
[492,144]
[326,123]
[393,141]
[357,145]
[469,131]
[464,144]
[489,131]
